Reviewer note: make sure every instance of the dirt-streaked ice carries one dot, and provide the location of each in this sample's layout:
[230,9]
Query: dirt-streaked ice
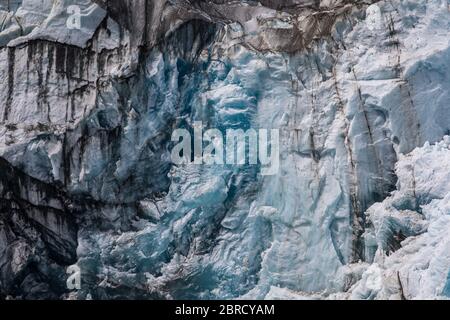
[359,208]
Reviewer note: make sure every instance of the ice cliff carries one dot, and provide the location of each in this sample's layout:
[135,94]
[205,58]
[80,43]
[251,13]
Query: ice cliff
[360,91]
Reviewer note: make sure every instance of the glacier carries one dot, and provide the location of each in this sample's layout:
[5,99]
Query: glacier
[359,91]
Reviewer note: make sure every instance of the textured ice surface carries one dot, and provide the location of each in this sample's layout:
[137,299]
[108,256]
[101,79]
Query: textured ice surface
[410,231]
[357,210]
[48,20]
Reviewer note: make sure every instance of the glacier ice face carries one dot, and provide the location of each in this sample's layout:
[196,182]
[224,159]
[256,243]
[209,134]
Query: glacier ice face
[358,208]
[410,231]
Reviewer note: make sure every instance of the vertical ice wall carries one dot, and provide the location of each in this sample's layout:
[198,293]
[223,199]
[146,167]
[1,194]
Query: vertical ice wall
[87,116]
